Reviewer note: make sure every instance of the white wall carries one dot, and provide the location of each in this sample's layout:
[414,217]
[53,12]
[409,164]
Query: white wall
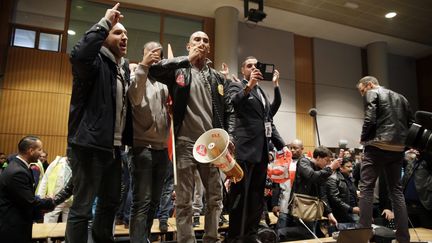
[276,47]
[337,68]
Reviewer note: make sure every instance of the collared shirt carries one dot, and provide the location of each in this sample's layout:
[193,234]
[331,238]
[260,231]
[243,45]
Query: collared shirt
[25,162]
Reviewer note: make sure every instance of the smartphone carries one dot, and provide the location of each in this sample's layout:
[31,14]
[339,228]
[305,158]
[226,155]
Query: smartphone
[266,70]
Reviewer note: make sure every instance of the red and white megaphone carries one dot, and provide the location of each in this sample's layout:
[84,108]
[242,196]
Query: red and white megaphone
[212,147]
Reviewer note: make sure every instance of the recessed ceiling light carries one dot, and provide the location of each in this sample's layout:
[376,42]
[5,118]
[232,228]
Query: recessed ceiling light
[71,32]
[390,15]
[351,5]
[79,7]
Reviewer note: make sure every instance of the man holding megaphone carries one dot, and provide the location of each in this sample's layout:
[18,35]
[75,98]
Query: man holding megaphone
[254,129]
[200,104]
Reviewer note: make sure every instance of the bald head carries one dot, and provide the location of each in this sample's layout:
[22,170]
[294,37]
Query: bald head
[198,48]
[197,33]
[296,147]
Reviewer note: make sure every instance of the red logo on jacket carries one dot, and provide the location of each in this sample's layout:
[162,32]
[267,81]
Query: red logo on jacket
[180,80]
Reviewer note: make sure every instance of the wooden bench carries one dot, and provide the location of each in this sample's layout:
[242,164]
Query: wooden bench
[56,231]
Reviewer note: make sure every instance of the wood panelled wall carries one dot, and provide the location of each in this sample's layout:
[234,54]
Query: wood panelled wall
[35,99]
[305,90]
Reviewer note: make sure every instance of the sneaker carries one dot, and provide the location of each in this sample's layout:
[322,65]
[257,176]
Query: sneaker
[196,221]
[163,226]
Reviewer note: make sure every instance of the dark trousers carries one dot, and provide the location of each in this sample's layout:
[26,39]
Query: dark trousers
[95,173]
[376,161]
[166,203]
[256,174]
[125,196]
[148,171]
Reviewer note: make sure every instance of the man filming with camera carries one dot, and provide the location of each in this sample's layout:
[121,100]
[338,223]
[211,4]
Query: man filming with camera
[387,117]
[254,129]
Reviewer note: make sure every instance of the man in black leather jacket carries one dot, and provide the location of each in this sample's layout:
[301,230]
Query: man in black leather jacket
[200,103]
[341,193]
[387,119]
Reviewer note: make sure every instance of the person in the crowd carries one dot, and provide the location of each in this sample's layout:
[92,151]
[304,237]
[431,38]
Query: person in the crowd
[43,158]
[99,124]
[54,180]
[310,179]
[17,197]
[3,161]
[342,194]
[151,125]
[282,195]
[200,103]
[417,184]
[387,117]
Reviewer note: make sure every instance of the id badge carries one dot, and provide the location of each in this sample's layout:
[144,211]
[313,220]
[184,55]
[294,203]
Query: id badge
[268,129]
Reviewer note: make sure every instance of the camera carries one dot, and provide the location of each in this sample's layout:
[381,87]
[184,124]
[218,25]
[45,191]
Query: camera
[266,70]
[420,133]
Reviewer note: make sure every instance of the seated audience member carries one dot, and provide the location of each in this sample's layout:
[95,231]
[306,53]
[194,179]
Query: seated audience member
[417,185]
[342,194]
[17,198]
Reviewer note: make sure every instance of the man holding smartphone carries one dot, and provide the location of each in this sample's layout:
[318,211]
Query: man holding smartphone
[254,130]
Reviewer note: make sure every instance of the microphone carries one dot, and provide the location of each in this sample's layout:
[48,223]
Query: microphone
[313,113]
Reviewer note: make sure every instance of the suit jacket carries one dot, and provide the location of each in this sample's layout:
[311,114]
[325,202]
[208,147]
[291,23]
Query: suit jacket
[17,202]
[251,114]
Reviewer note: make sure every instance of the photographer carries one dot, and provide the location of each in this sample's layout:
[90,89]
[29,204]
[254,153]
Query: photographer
[416,183]
[254,130]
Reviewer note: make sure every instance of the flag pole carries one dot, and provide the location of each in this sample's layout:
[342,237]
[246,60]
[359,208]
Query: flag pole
[174,161]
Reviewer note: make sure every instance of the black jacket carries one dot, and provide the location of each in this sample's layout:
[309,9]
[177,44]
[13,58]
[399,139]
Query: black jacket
[92,106]
[311,180]
[17,202]
[339,196]
[387,117]
[176,74]
[250,137]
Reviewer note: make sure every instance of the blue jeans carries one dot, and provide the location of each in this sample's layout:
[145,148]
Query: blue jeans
[95,173]
[166,203]
[148,171]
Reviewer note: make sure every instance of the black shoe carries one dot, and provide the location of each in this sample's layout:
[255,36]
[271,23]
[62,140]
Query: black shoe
[222,220]
[163,226]
[196,221]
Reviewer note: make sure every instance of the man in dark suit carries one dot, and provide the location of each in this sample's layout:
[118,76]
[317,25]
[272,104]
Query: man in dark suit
[254,129]
[17,198]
